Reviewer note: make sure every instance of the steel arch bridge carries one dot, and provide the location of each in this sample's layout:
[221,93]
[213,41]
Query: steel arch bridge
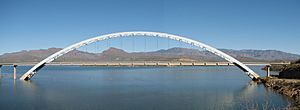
[30,73]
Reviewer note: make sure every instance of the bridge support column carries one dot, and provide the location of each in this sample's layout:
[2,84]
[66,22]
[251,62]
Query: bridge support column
[15,72]
[0,71]
[268,70]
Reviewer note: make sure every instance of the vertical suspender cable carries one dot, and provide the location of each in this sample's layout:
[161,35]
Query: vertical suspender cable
[133,45]
[121,43]
[168,43]
[145,45]
[107,44]
[156,42]
[157,46]
[86,50]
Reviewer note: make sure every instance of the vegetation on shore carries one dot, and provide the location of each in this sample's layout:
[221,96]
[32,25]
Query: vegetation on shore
[291,71]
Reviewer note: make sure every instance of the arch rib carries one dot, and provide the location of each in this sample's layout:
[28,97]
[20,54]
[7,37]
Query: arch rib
[30,73]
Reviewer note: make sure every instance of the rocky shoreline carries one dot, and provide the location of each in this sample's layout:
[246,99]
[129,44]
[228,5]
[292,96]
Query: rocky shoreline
[287,87]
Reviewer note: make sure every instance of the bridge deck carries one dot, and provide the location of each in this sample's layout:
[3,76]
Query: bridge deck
[139,63]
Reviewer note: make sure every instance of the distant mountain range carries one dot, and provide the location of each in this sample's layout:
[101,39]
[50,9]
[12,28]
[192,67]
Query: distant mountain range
[172,54]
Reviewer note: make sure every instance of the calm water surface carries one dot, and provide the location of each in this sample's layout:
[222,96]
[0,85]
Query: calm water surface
[135,88]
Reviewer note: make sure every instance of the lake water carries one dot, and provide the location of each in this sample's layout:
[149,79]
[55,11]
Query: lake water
[136,88]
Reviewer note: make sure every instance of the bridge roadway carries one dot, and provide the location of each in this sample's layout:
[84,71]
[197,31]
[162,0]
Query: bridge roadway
[142,63]
[134,63]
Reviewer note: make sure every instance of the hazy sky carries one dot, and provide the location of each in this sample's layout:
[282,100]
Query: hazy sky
[232,24]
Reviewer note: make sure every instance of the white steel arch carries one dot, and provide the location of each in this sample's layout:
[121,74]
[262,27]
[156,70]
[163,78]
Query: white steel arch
[30,73]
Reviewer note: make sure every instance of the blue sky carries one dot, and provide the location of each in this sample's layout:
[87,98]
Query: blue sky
[231,24]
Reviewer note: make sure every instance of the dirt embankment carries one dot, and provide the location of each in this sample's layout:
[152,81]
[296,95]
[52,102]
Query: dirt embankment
[287,87]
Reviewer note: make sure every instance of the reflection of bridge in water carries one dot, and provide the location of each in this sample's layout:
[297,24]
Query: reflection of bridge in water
[30,89]
[30,73]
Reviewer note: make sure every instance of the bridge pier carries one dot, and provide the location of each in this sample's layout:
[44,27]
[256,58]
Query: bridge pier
[0,71]
[268,70]
[15,72]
